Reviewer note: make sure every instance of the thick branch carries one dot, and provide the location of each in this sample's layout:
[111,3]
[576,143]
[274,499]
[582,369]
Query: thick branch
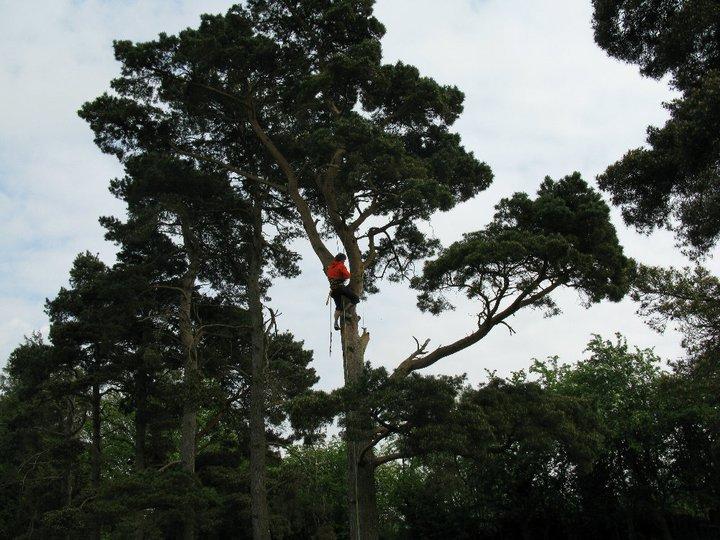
[372,253]
[364,215]
[381,434]
[293,190]
[381,460]
[418,361]
[170,464]
[419,350]
[326,183]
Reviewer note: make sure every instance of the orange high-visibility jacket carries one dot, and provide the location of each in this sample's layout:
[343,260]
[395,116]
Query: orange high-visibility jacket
[337,273]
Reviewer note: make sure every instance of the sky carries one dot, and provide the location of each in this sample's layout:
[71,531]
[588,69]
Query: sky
[541,99]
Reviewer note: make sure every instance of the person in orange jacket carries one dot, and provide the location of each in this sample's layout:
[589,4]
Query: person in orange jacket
[337,274]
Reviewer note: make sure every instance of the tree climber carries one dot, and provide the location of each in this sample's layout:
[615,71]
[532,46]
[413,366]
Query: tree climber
[337,274]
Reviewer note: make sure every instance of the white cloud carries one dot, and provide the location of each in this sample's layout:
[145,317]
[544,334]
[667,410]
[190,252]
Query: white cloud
[53,181]
[541,99]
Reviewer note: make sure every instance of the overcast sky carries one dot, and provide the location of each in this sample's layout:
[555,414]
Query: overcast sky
[541,99]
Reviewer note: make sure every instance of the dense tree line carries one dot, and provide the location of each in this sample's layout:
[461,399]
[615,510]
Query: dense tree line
[612,446]
[166,402]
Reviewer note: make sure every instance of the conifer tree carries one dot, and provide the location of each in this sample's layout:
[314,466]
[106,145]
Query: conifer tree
[84,335]
[216,232]
[674,181]
[359,148]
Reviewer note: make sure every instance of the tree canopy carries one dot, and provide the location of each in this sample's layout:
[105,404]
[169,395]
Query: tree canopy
[170,403]
[674,181]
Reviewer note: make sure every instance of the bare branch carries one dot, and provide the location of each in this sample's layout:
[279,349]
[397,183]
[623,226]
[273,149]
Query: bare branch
[381,460]
[168,465]
[216,419]
[372,253]
[272,322]
[415,362]
[364,215]
[380,434]
[510,328]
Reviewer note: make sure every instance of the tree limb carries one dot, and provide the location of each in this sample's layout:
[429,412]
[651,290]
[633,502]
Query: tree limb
[293,189]
[381,460]
[415,362]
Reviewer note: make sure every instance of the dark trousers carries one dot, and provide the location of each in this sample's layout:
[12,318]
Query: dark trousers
[342,292]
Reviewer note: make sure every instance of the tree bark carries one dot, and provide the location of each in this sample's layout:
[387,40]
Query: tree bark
[191,375]
[140,420]
[96,455]
[140,437]
[95,473]
[68,479]
[258,443]
[362,504]
[191,381]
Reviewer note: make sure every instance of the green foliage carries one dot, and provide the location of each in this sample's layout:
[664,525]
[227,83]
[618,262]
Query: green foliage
[608,446]
[661,36]
[309,76]
[226,131]
[689,299]
[40,444]
[673,183]
[676,177]
[562,238]
[617,382]
[311,498]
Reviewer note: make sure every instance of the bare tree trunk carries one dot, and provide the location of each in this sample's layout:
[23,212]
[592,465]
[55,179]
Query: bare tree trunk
[258,443]
[140,437]
[68,480]
[191,376]
[362,504]
[190,379]
[361,481]
[141,389]
[191,382]
[96,455]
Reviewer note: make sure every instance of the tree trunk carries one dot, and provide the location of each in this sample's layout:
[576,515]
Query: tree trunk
[140,438]
[258,443]
[68,429]
[360,466]
[95,459]
[68,480]
[191,383]
[190,380]
[95,451]
[140,420]
[191,376]
[362,505]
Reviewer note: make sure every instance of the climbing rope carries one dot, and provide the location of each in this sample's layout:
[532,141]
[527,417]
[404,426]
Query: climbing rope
[343,320]
[332,320]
